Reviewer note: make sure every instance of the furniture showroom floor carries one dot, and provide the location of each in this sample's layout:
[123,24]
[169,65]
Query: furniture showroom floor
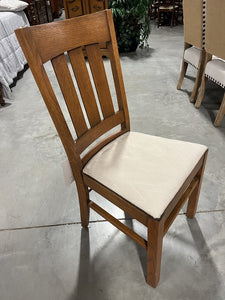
[44,252]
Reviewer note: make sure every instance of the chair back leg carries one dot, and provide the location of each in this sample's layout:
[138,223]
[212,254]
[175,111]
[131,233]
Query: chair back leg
[221,113]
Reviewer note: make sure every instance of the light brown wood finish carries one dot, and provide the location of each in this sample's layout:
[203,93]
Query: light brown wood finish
[67,87]
[137,238]
[194,196]
[200,73]
[221,113]
[37,51]
[101,83]
[198,102]
[82,77]
[154,250]
[184,66]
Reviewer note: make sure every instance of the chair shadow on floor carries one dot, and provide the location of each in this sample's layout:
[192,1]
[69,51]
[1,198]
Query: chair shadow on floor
[212,101]
[187,91]
[90,277]
[140,251]
[207,263]
[207,275]
[89,284]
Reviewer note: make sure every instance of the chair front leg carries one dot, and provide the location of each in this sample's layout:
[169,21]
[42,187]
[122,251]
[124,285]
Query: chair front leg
[198,102]
[201,92]
[221,113]
[154,250]
[172,18]
[83,195]
[193,199]
[182,73]
[198,79]
[159,19]
[184,66]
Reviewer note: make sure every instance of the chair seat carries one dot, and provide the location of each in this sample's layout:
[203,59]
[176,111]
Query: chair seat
[192,56]
[215,70]
[169,7]
[145,170]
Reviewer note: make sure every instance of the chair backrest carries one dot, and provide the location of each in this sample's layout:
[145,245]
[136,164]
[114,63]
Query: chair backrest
[91,109]
[215,26]
[193,22]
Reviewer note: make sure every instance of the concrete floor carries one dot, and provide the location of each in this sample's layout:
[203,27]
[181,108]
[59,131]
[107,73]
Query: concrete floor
[44,253]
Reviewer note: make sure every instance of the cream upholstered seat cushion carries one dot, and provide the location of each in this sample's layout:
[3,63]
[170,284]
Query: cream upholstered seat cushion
[192,56]
[146,170]
[215,70]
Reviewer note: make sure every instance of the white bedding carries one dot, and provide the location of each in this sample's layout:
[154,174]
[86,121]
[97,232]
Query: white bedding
[12,59]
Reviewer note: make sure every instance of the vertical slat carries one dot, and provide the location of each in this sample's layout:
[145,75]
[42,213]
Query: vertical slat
[82,77]
[117,72]
[100,79]
[67,87]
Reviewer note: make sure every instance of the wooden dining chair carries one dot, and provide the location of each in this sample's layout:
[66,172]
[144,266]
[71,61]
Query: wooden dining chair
[154,9]
[166,7]
[215,52]
[194,53]
[149,177]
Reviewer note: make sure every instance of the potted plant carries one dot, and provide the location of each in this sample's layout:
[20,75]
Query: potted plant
[132,23]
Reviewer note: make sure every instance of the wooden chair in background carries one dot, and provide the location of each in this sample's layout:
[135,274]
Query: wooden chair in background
[194,53]
[149,177]
[154,9]
[166,7]
[214,46]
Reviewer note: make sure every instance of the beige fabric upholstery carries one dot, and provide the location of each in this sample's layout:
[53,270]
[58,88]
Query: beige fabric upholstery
[146,170]
[192,56]
[215,25]
[215,70]
[193,20]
